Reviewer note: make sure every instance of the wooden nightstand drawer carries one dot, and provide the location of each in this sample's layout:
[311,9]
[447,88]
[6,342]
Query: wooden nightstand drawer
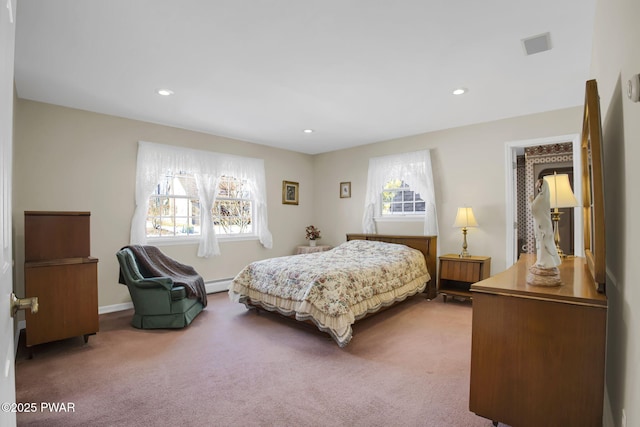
[458,274]
[463,271]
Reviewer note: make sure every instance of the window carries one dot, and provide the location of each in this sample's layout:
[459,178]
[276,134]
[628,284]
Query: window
[397,198]
[174,207]
[211,194]
[232,212]
[400,186]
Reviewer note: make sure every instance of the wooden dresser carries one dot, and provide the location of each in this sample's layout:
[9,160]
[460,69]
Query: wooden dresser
[537,354]
[59,271]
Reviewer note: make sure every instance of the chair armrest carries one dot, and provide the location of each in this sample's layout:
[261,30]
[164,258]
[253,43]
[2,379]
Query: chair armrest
[150,300]
[154,282]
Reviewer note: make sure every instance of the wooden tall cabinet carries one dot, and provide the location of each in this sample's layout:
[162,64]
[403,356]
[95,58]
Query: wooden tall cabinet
[538,353]
[59,270]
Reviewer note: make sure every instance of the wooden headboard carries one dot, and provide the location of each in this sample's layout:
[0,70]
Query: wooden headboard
[425,244]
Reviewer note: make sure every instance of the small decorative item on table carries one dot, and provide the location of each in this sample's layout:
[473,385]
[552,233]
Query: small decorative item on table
[312,235]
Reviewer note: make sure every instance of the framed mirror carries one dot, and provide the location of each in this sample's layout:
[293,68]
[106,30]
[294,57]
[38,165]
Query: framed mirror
[592,186]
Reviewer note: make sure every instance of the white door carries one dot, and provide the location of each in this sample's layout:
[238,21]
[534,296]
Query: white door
[7,372]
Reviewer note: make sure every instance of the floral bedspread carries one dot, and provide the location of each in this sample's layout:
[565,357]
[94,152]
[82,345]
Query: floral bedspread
[335,287]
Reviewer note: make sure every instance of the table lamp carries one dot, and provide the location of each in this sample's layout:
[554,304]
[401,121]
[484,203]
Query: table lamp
[464,219]
[560,196]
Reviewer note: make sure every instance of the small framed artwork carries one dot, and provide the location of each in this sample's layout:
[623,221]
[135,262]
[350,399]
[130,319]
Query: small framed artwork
[290,192]
[345,190]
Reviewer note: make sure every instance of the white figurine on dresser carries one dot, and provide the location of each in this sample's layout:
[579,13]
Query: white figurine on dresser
[545,271]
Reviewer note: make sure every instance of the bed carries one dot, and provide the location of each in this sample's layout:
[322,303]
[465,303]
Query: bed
[333,289]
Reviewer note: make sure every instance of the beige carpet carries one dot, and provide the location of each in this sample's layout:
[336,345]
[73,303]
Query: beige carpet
[407,366]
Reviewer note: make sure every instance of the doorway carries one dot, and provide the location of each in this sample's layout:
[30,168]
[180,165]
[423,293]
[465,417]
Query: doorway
[566,223]
[514,149]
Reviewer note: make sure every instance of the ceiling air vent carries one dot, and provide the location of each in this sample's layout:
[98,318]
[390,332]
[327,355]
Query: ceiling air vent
[537,44]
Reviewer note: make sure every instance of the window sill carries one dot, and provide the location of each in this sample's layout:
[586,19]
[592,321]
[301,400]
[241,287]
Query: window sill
[237,238]
[168,241]
[164,241]
[400,218]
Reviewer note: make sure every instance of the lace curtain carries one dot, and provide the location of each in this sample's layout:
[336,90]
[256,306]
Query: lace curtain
[155,160]
[413,168]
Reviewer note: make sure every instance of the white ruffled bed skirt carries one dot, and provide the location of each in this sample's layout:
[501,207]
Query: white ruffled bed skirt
[339,327]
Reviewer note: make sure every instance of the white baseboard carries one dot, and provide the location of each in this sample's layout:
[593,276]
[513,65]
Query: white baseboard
[115,307]
[211,287]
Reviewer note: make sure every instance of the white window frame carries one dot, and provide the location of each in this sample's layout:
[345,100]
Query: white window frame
[154,160]
[193,238]
[415,215]
[237,236]
[178,238]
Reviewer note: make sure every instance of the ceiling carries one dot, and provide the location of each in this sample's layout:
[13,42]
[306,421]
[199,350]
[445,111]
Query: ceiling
[353,71]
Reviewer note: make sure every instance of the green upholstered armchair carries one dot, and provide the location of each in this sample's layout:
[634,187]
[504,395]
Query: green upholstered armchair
[158,303]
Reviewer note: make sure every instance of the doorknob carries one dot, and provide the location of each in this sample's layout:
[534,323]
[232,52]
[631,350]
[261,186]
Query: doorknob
[23,303]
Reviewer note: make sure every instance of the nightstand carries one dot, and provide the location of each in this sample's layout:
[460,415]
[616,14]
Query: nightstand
[310,249]
[458,274]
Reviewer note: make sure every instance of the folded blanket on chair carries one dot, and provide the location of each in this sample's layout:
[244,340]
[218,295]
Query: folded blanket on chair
[157,264]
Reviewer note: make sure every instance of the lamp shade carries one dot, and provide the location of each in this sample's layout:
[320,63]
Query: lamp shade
[465,218]
[560,194]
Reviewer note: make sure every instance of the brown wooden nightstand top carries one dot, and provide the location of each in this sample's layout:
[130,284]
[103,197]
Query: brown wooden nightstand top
[472,258]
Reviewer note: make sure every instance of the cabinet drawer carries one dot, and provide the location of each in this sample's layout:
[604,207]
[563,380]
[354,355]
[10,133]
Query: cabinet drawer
[462,271]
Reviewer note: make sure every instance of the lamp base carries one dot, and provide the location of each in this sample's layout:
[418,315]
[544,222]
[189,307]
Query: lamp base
[555,217]
[464,253]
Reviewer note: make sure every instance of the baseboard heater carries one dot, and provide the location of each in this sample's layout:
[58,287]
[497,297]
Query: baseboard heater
[212,286]
[220,285]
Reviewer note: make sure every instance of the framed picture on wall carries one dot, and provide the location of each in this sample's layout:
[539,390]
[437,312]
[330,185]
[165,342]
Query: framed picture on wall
[345,190]
[290,192]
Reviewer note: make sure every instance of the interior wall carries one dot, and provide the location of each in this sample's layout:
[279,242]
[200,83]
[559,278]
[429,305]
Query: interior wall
[468,167]
[67,159]
[615,58]
[73,160]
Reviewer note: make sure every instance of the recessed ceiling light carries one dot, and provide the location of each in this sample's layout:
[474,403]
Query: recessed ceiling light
[460,91]
[308,131]
[164,92]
